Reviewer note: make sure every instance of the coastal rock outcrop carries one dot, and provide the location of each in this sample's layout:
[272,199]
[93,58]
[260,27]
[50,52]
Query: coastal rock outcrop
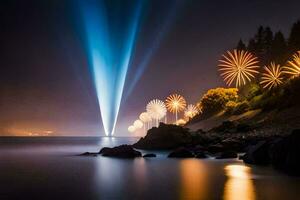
[149,155]
[122,151]
[227,155]
[285,153]
[258,154]
[181,153]
[166,136]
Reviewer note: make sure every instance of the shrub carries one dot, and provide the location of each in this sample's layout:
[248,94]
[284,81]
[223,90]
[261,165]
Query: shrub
[229,106]
[215,99]
[241,108]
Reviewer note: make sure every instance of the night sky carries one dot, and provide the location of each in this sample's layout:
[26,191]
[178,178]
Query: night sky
[45,83]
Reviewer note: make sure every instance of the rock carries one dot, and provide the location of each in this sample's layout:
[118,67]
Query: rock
[201,155]
[149,155]
[227,154]
[166,136]
[181,153]
[216,148]
[123,151]
[241,157]
[258,154]
[285,153]
[233,144]
[199,149]
[88,154]
[104,149]
[225,127]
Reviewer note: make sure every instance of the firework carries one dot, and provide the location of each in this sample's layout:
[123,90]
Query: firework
[293,66]
[190,111]
[180,122]
[239,67]
[156,109]
[131,129]
[175,103]
[272,77]
[138,124]
[145,117]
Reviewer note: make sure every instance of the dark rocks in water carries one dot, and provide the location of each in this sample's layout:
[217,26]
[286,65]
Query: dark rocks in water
[241,157]
[233,144]
[258,154]
[215,148]
[123,151]
[201,155]
[166,136]
[181,153]
[227,154]
[104,149]
[88,154]
[149,155]
[285,153]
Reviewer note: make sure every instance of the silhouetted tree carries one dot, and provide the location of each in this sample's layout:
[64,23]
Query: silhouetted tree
[294,39]
[279,48]
[241,45]
[252,46]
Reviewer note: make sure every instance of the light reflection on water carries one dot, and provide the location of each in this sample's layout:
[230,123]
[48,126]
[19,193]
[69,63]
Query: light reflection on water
[194,182]
[239,184]
[51,167]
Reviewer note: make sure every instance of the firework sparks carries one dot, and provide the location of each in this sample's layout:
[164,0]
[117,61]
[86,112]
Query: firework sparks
[190,111]
[293,66]
[138,124]
[175,103]
[239,67]
[272,76]
[145,117]
[156,109]
[131,129]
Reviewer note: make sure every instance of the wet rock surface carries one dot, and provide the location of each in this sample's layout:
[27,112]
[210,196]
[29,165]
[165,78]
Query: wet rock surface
[123,151]
[181,153]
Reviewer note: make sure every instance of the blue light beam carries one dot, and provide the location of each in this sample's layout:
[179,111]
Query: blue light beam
[166,23]
[111,28]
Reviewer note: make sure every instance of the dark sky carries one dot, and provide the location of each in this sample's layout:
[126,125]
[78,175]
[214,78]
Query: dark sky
[45,83]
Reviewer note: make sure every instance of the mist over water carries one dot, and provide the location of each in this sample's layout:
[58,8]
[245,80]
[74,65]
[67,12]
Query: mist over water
[49,168]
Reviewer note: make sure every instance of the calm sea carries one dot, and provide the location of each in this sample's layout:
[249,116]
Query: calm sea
[49,168]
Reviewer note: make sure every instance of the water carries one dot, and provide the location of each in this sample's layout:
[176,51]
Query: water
[48,168]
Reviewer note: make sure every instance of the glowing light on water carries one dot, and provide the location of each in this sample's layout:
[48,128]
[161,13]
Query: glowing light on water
[293,66]
[272,77]
[239,67]
[239,184]
[111,28]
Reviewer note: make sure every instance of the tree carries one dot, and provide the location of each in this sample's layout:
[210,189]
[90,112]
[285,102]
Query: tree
[294,39]
[215,99]
[241,45]
[252,46]
[279,48]
[266,46]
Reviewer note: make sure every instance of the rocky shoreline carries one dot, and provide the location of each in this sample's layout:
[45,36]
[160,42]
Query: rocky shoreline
[280,151]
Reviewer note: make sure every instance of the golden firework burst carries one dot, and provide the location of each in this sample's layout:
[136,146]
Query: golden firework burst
[293,66]
[272,77]
[190,111]
[238,66]
[175,103]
